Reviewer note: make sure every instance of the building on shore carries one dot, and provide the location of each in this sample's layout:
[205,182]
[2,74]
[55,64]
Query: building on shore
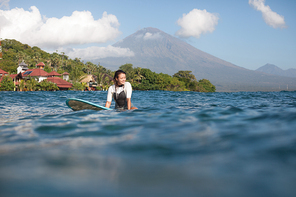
[3,73]
[39,75]
[54,74]
[62,84]
[22,67]
[66,76]
[90,81]
[40,65]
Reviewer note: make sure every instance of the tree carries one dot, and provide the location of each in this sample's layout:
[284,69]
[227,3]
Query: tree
[89,68]
[56,59]
[207,85]
[8,65]
[77,86]
[21,56]
[185,76]
[47,69]
[176,85]
[31,84]
[76,73]
[128,69]
[149,75]
[36,57]
[163,81]
[7,84]
[137,76]
[47,86]
[52,86]
[189,80]
[22,85]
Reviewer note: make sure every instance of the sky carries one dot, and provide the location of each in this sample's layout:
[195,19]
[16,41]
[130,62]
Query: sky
[247,33]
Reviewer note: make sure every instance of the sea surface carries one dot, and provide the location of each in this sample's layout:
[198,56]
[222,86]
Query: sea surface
[176,144]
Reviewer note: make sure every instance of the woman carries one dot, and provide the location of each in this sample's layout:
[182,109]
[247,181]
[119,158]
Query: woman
[121,92]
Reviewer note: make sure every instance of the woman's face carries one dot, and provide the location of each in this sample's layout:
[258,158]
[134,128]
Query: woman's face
[121,79]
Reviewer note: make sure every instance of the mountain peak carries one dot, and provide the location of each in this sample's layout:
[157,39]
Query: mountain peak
[270,69]
[145,34]
[164,53]
[274,70]
[150,30]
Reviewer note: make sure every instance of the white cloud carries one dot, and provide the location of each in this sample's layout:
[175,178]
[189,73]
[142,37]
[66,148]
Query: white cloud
[270,17]
[80,28]
[4,4]
[197,22]
[94,52]
[150,36]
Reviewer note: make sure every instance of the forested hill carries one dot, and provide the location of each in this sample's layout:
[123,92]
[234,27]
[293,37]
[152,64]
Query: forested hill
[15,52]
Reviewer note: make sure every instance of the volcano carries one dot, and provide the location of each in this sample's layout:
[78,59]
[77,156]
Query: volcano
[161,52]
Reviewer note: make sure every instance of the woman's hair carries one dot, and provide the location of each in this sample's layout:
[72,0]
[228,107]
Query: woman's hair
[117,73]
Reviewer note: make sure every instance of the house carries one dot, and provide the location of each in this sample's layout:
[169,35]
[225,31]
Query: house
[62,84]
[53,74]
[16,78]
[66,76]
[42,75]
[38,73]
[40,65]
[3,73]
[22,67]
[90,81]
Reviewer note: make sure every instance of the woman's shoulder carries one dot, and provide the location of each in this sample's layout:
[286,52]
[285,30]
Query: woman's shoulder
[111,87]
[127,83]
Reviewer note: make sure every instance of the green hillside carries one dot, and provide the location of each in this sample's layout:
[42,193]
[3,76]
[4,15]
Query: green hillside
[15,52]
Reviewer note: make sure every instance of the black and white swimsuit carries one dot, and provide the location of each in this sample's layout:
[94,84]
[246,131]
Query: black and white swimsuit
[120,96]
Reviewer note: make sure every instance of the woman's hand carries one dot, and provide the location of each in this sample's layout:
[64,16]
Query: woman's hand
[108,104]
[129,103]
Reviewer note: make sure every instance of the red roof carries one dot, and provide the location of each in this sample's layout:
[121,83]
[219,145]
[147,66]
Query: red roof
[54,73]
[65,73]
[40,64]
[13,75]
[60,82]
[3,72]
[35,73]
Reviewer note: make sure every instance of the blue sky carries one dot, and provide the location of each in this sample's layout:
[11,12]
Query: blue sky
[247,33]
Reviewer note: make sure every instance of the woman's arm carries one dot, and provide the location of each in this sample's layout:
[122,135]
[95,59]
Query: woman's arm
[129,103]
[109,97]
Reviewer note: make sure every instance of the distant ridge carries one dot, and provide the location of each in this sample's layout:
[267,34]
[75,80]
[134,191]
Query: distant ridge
[274,70]
[161,52]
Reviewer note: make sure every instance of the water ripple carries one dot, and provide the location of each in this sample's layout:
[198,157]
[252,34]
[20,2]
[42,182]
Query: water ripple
[176,144]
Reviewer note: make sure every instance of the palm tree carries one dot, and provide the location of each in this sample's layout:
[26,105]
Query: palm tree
[76,73]
[21,56]
[56,59]
[138,75]
[31,84]
[36,57]
[22,85]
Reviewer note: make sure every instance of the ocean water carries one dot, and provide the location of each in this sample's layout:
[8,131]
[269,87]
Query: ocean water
[175,144]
